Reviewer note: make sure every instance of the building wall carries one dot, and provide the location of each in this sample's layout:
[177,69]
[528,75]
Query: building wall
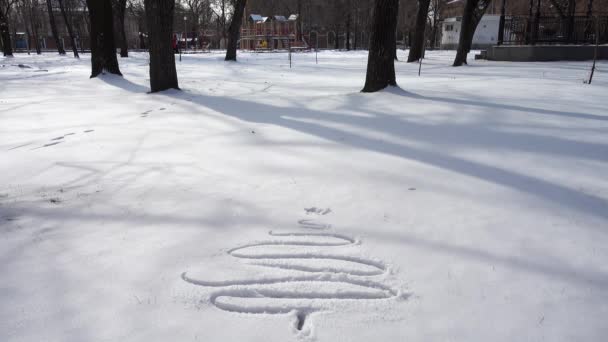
[486,33]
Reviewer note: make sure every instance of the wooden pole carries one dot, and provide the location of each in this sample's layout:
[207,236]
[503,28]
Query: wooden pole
[597,43]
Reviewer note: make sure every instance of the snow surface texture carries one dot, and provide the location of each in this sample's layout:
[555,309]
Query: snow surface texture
[263,203]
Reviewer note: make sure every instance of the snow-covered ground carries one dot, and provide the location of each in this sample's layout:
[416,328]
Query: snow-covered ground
[263,203]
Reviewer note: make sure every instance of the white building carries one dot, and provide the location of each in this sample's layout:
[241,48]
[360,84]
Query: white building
[486,33]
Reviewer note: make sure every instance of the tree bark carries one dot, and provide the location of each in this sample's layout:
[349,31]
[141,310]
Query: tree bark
[121,8]
[348,22]
[356,31]
[435,26]
[381,61]
[337,40]
[159,17]
[395,48]
[234,29]
[103,50]
[7,47]
[473,11]
[417,44]
[68,25]
[33,9]
[60,49]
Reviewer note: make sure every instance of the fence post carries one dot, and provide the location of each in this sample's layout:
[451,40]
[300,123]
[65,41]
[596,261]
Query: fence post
[597,43]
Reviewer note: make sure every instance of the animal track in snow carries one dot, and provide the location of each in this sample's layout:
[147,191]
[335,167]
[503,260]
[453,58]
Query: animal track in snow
[54,141]
[317,211]
[310,276]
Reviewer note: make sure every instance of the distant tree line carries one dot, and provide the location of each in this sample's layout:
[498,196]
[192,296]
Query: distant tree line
[104,23]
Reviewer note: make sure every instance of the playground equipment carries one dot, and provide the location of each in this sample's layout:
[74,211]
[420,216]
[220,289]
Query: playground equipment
[272,33]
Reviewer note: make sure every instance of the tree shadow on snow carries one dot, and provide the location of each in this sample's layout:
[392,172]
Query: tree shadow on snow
[494,105]
[301,119]
[123,83]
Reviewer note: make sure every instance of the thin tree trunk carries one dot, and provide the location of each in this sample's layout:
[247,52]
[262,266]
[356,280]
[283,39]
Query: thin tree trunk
[571,12]
[337,40]
[356,31]
[159,17]
[7,47]
[121,8]
[348,22]
[416,45]
[68,25]
[234,29]
[395,48]
[103,50]
[381,61]
[33,9]
[300,36]
[473,11]
[60,49]
[435,26]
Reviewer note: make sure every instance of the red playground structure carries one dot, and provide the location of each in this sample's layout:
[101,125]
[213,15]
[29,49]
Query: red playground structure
[271,33]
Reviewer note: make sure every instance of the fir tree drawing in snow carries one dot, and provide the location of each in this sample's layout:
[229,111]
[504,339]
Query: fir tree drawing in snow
[309,270]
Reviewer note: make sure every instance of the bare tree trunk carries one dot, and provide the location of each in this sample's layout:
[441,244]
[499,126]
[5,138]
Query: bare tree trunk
[28,34]
[234,29]
[33,9]
[60,49]
[336,37]
[356,31]
[395,48]
[68,25]
[348,22]
[159,16]
[121,8]
[435,26]
[7,47]
[381,61]
[473,11]
[417,44]
[300,36]
[570,26]
[103,50]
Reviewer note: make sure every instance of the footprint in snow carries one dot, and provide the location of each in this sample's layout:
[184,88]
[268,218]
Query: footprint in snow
[317,211]
[52,144]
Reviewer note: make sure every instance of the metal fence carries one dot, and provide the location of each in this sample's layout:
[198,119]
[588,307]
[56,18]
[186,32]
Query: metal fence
[524,30]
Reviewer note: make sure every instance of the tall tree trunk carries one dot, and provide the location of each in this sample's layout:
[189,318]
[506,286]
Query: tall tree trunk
[570,25]
[417,44]
[33,9]
[68,25]
[381,61]
[356,31]
[300,36]
[121,8]
[395,47]
[337,40]
[348,22]
[7,47]
[435,26]
[473,11]
[49,6]
[234,29]
[103,50]
[159,17]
